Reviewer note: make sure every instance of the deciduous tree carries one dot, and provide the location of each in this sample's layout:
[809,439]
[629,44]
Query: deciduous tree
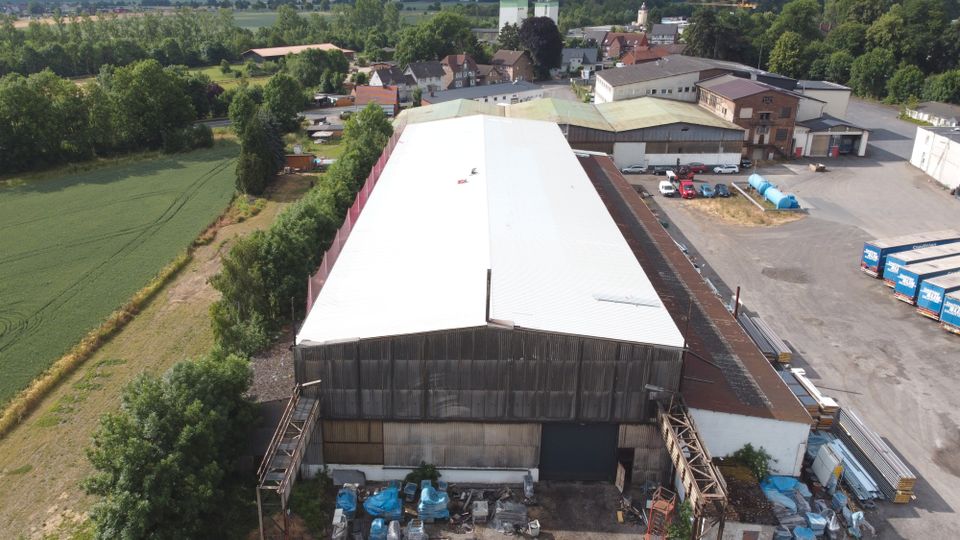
[162,462]
[787,56]
[541,38]
[283,96]
[870,71]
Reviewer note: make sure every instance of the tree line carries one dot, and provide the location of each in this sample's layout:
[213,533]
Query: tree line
[47,120]
[264,276]
[165,464]
[895,50]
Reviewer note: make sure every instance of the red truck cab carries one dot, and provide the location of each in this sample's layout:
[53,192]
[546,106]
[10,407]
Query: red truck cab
[687,189]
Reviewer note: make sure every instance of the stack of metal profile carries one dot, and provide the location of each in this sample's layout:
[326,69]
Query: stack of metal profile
[894,478]
[757,336]
[782,353]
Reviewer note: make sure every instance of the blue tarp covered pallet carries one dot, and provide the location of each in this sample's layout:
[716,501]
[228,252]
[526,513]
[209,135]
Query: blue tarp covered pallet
[433,504]
[347,501]
[385,504]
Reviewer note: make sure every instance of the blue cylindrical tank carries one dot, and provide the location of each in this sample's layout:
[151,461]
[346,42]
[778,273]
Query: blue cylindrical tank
[759,183]
[780,200]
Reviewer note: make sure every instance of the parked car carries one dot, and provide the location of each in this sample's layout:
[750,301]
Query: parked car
[687,190]
[634,169]
[706,191]
[721,190]
[726,169]
[660,169]
[746,163]
[672,177]
[697,167]
[666,188]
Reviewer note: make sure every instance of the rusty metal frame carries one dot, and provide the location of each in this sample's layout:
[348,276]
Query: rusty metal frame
[278,470]
[703,483]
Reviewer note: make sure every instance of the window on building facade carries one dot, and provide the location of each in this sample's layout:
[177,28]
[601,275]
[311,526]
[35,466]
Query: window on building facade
[654,91]
[763,130]
[768,99]
[781,134]
[764,116]
[785,112]
[746,112]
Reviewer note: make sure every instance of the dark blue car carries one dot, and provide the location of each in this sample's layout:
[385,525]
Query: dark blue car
[721,190]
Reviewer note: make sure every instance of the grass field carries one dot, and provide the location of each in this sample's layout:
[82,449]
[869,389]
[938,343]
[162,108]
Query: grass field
[227,80]
[43,460]
[74,247]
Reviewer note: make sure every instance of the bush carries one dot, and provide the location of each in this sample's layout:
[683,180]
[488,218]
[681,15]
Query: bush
[423,472]
[201,136]
[176,140]
[758,461]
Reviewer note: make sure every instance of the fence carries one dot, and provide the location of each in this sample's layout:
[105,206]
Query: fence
[316,281]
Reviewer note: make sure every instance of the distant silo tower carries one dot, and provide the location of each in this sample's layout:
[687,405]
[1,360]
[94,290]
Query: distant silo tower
[550,8]
[512,12]
[641,15]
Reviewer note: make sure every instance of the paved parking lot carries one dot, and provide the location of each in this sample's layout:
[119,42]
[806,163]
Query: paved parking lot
[861,346]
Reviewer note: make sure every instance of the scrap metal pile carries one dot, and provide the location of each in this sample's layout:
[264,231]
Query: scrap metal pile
[383,510]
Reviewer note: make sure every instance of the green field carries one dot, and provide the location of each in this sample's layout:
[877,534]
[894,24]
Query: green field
[227,80]
[74,247]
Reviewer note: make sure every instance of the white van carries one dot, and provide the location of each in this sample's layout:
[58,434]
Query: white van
[667,189]
[672,177]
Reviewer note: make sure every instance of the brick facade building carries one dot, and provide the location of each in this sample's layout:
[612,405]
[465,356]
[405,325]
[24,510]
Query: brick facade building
[767,114]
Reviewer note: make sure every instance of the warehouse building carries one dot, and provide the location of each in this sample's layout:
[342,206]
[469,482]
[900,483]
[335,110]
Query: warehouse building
[486,315]
[646,131]
[936,151]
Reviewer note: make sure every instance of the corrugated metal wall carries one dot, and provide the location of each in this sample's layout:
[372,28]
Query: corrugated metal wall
[671,132]
[353,441]
[488,374]
[461,444]
[651,462]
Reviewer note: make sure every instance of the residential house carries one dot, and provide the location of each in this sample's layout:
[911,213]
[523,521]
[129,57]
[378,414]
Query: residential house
[664,34]
[617,44]
[388,97]
[650,53]
[768,114]
[428,76]
[459,71]
[394,76]
[517,65]
[575,58]
[936,113]
[490,74]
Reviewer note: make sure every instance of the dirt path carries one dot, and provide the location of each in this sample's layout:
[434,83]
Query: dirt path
[43,460]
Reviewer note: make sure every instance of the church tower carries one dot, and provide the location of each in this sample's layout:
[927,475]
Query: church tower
[642,16]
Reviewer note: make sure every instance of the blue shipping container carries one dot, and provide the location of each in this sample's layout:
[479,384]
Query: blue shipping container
[911,276]
[896,261]
[875,252]
[932,293]
[950,316]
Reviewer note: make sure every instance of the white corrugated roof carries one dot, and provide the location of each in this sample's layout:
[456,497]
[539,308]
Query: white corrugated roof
[418,256]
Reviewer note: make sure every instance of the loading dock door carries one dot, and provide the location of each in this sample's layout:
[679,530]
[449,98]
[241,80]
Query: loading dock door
[586,452]
[820,145]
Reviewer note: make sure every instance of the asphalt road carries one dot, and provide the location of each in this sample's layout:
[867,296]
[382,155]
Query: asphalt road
[890,139]
[869,351]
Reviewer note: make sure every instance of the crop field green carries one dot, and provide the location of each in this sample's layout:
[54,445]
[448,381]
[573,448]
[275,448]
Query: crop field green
[76,246]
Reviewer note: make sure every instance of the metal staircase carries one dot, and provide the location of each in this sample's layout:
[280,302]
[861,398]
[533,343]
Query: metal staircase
[282,459]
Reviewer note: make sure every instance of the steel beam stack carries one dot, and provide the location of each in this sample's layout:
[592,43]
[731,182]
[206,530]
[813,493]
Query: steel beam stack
[895,480]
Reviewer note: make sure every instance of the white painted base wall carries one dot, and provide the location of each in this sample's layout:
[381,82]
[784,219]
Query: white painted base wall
[725,433]
[626,154]
[379,473]
[938,156]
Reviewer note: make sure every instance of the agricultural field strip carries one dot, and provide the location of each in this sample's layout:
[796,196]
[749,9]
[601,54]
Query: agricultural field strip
[42,285]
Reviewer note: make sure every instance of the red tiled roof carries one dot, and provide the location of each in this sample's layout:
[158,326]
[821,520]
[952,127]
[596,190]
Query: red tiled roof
[381,95]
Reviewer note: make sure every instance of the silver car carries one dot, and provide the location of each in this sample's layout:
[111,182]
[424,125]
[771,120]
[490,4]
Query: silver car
[726,169]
